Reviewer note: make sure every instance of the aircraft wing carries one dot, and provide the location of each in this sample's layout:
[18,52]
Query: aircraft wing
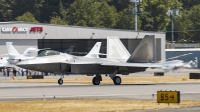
[6,65]
[132,64]
[70,62]
[156,65]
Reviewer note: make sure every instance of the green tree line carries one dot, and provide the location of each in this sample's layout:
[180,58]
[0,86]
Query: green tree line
[108,14]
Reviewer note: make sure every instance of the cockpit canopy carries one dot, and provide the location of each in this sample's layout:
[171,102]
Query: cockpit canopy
[48,53]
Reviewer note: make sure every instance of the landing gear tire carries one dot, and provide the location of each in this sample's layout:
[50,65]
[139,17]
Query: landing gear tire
[95,81]
[117,80]
[60,81]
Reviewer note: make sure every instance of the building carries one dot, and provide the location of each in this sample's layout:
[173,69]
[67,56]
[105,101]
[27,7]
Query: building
[60,37]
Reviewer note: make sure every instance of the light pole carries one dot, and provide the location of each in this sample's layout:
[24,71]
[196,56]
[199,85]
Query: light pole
[136,12]
[171,14]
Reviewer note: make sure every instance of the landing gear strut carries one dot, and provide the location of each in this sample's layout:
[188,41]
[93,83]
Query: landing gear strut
[97,79]
[60,81]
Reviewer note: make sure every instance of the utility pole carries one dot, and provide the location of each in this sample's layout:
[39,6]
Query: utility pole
[172,19]
[171,14]
[135,11]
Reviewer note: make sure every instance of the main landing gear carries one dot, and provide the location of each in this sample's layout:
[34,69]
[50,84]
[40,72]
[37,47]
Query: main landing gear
[116,79]
[97,79]
[60,81]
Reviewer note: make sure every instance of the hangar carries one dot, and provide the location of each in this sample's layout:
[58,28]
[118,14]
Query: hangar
[61,37]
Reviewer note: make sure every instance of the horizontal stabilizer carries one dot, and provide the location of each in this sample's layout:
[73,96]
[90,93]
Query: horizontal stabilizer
[8,65]
[4,54]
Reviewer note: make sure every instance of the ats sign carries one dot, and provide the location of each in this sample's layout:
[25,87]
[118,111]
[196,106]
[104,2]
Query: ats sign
[22,29]
[168,96]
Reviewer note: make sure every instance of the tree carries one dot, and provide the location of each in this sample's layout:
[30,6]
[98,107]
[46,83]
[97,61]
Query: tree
[6,10]
[194,15]
[154,17]
[126,20]
[26,17]
[187,4]
[50,8]
[57,20]
[19,7]
[120,5]
[108,15]
[182,23]
[187,25]
[84,12]
[91,13]
[62,11]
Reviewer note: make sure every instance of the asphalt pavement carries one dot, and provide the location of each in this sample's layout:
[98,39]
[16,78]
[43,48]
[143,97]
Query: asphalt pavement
[10,91]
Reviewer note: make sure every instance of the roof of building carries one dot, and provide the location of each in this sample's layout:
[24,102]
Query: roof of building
[22,22]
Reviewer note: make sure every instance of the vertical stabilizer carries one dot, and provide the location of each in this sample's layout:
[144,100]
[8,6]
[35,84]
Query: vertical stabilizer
[28,52]
[94,52]
[145,51]
[11,49]
[69,50]
[116,49]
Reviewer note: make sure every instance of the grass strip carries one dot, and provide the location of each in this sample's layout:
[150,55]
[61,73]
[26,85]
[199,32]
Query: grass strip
[107,80]
[88,105]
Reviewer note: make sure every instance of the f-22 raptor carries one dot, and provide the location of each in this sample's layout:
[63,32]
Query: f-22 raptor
[118,61]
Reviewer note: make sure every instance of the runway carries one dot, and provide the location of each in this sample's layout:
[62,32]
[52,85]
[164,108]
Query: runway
[17,91]
[12,91]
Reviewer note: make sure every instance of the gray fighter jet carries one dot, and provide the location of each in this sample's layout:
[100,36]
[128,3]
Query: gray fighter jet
[118,61]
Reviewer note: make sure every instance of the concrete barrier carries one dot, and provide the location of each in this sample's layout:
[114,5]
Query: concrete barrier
[35,77]
[158,73]
[194,75]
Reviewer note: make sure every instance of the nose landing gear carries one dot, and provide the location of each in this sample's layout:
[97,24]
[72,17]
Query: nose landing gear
[60,81]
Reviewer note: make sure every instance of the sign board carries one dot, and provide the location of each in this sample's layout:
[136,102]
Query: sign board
[35,77]
[36,29]
[194,75]
[14,29]
[168,96]
[29,77]
[21,29]
[158,73]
